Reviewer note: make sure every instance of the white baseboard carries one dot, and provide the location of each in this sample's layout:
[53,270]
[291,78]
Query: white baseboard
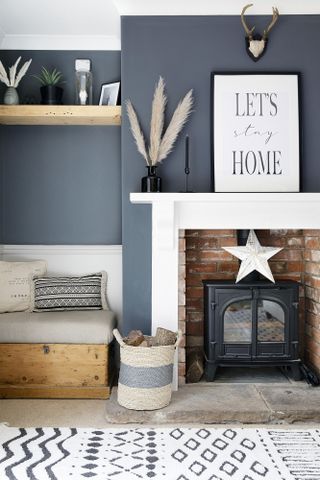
[76,260]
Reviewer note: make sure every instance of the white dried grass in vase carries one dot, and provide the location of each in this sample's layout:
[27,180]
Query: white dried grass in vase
[157,121]
[179,119]
[14,78]
[3,75]
[22,73]
[160,144]
[136,131]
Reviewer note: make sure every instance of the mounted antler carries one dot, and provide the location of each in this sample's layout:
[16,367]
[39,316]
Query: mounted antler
[275,16]
[256,44]
[249,31]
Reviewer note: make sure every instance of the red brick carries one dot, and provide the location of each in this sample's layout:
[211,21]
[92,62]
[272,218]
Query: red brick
[195,304]
[313,320]
[182,313]
[195,329]
[194,341]
[313,268]
[228,242]
[311,233]
[296,241]
[313,360]
[213,255]
[196,316]
[314,333]
[295,267]
[312,281]
[278,266]
[201,243]
[313,346]
[228,267]
[201,268]
[182,244]
[194,292]
[195,280]
[312,243]
[288,254]
[312,306]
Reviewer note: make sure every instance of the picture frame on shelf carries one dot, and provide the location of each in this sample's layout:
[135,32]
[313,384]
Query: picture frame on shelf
[255,132]
[109,94]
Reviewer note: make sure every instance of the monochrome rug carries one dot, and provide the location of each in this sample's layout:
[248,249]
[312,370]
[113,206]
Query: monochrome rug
[159,453]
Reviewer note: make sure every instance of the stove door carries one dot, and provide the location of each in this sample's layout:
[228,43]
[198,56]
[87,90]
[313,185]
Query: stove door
[271,325]
[236,323]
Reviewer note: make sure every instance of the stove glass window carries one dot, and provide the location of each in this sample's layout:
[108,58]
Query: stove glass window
[238,322]
[271,318]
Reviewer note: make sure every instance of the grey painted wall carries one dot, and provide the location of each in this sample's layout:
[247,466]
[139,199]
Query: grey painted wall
[185,50]
[61,185]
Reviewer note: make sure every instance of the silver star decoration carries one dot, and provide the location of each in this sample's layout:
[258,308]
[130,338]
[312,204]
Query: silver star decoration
[253,257]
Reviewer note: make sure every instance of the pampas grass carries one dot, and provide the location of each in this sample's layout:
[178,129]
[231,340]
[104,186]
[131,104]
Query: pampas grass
[160,145]
[14,78]
[137,132]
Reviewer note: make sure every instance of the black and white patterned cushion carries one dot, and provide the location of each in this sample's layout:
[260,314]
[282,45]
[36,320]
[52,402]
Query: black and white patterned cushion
[70,293]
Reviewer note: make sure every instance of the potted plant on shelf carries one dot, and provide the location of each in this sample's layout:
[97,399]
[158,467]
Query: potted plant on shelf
[12,81]
[51,92]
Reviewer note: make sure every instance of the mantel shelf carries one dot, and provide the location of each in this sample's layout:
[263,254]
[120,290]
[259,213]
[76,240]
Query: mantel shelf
[218,198]
[59,115]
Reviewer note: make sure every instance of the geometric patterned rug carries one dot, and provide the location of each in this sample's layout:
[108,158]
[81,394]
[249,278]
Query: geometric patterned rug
[159,453]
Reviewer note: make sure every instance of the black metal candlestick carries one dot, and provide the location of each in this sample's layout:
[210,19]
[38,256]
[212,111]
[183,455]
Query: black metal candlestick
[187,165]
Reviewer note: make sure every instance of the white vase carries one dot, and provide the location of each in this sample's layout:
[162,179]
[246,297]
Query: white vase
[11,96]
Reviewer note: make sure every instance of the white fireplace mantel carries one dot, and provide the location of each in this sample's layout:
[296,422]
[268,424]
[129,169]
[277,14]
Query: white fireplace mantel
[174,211]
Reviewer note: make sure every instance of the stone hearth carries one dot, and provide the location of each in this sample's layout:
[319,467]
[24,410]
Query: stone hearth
[172,212]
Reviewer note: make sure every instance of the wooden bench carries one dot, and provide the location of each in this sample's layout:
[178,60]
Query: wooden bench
[56,354]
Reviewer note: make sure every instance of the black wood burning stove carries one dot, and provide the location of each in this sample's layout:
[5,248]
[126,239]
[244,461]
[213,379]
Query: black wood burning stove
[253,323]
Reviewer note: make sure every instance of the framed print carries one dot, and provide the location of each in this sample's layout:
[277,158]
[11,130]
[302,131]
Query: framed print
[109,93]
[255,132]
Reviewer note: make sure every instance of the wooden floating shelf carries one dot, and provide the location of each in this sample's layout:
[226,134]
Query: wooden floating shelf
[59,115]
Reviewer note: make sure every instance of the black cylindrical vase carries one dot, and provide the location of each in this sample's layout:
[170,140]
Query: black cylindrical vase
[152,182]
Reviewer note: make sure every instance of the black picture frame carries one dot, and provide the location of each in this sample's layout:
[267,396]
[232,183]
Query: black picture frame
[297,75]
[110,94]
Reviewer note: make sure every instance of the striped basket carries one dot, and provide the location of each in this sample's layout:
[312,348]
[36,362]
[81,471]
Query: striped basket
[145,379]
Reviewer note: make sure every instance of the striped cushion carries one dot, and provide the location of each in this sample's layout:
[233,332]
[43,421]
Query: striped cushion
[70,293]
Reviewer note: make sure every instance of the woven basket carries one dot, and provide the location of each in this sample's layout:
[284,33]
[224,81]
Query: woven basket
[145,378]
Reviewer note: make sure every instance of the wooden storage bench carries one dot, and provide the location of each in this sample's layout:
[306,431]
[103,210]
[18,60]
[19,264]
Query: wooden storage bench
[56,354]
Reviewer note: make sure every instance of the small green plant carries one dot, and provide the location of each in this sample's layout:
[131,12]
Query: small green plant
[47,77]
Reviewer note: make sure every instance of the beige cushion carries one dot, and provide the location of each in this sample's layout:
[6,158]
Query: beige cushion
[91,327]
[15,282]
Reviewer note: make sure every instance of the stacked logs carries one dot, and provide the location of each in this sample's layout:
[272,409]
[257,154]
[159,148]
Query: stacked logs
[162,337]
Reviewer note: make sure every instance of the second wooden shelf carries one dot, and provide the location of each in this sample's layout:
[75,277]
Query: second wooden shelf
[59,115]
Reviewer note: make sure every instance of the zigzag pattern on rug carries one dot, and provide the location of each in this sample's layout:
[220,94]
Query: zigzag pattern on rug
[159,453]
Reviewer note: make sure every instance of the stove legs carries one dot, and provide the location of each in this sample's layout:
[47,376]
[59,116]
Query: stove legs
[210,372]
[296,372]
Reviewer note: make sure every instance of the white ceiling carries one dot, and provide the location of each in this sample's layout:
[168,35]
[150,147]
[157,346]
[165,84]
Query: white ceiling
[214,7]
[95,24]
[42,24]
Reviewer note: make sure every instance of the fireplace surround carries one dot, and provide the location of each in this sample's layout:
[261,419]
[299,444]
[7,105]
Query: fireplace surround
[173,212]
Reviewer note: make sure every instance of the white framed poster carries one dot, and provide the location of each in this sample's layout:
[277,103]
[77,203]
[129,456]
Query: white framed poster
[255,132]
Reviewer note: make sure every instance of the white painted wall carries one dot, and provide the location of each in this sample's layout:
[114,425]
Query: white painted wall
[76,260]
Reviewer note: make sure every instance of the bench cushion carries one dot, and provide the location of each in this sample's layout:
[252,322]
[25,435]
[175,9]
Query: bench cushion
[89,327]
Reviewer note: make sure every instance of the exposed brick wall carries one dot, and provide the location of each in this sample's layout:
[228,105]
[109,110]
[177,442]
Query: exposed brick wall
[182,307]
[205,259]
[312,283]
